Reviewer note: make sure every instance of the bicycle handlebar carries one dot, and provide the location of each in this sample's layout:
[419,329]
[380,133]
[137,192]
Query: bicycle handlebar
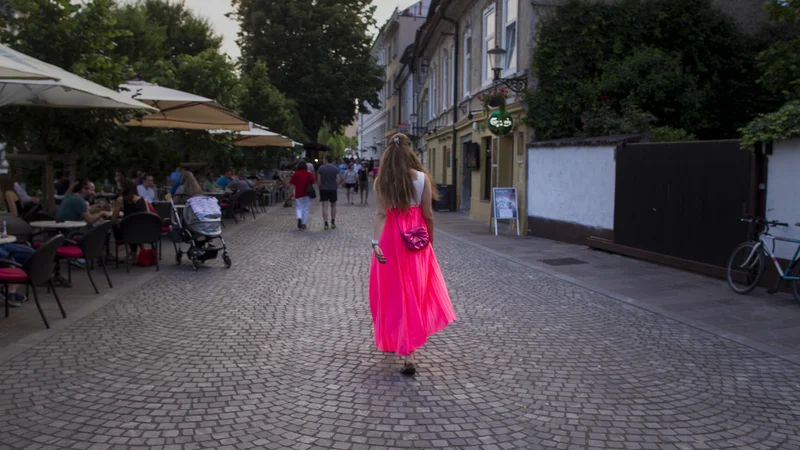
[760,221]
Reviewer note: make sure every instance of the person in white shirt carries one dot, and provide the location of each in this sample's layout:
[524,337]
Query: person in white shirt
[27,200]
[356,168]
[147,190]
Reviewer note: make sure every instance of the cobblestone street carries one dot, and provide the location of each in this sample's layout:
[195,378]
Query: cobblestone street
[277,352]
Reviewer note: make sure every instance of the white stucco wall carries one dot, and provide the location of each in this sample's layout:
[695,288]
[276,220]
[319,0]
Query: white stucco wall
[572,184]
[783,185]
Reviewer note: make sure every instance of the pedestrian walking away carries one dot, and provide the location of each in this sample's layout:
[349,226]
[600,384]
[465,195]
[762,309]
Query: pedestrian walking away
[356,169]
[363,184]
[350,182]
[301,180]
[407,294]
[328,180]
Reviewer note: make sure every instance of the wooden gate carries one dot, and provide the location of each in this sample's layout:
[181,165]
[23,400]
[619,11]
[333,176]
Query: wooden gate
[683,199]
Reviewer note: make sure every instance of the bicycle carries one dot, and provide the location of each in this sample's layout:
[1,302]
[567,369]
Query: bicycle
[748,262]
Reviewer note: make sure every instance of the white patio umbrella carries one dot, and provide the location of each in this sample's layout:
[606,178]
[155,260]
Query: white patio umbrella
[55,88]
[258,136]
[178,109]
[17,66]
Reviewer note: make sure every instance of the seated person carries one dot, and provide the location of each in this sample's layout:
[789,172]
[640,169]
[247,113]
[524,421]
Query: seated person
[19,254]
[10,198]
[75,205]
[240,185]
[209,184]
[147,189]
[27,201]
[224,180]
[253,175]
[61,185]
[128,203]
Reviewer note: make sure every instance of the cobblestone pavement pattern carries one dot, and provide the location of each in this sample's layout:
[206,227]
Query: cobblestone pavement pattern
[278,353]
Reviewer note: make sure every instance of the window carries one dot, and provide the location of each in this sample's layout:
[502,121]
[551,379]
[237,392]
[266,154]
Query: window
[433,93]
[488,43]
[394,48]
[510,12]
[389,90]
[467,75]
[487,169]
[450,91]
[445,83]
[394,116]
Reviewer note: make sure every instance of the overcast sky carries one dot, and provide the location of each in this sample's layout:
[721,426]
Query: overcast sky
[215,10]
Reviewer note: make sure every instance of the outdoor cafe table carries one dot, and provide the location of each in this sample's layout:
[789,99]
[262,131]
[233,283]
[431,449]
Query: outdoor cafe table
[54,225]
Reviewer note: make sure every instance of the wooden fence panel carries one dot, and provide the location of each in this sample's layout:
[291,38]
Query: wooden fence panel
[683,199]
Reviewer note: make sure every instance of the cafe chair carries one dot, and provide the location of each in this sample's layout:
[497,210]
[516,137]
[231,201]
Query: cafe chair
[245,200]
[141,228]
[164,210]
[36,271]
[91,247]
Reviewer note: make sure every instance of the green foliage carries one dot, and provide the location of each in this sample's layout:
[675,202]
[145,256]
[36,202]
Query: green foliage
[80,39]
[780,125]
[680,61]
[264,104]
[783,11]
[781,65]
[157,31]
[320,50]
[781,75]
[338,142]
[667,134]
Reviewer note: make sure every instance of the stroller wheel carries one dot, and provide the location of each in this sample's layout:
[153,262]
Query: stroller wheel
[195,264]
[178,257]
[227,260]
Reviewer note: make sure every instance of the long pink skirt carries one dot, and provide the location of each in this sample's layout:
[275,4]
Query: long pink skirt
[407,295]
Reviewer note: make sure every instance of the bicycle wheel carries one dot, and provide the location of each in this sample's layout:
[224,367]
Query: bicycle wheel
[745,268]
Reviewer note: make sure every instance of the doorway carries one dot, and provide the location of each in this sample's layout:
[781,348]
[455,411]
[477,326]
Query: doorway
[466,173]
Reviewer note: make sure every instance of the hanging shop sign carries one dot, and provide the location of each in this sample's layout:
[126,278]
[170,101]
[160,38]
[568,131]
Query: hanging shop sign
[501,123]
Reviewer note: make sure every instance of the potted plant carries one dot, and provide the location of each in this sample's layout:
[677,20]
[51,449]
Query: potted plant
[494,99]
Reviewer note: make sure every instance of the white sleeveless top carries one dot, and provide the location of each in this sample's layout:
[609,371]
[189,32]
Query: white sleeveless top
[419,185]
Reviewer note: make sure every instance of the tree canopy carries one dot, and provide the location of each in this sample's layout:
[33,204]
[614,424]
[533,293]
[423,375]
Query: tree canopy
[643,64]
[319,51]
[780,64]
[158,41]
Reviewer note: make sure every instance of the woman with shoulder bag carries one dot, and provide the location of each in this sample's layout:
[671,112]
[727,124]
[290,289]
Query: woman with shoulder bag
[407,293]
[302,192]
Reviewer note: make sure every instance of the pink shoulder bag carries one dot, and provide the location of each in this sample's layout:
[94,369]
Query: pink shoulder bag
[414,239]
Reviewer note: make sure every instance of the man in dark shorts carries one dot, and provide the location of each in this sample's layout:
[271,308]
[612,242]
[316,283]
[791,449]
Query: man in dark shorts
[328,180]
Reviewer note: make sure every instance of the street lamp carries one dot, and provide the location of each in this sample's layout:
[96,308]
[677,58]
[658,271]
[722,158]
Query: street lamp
[497,58]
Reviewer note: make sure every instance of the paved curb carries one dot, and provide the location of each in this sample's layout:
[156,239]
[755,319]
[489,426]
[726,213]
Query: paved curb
[97,302]
[773,351]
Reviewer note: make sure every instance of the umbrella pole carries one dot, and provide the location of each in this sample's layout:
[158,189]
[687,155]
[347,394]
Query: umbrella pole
[48,189]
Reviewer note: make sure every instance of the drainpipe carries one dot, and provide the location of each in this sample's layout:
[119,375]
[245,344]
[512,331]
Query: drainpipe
[455,110]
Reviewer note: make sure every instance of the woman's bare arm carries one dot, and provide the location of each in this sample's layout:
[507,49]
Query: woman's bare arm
[377,228]
[116,210]
[11,201]
[427,207]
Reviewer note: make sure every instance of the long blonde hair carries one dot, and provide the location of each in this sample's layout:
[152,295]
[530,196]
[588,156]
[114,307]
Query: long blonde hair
[394,184]
[190,185]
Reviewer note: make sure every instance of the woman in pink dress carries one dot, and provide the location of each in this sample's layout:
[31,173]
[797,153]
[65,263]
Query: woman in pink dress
[407,293]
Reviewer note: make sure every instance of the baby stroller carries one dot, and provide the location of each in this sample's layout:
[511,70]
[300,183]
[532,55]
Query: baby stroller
[199,226]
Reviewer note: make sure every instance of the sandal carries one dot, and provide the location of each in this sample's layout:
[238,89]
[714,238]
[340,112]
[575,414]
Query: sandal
[409,369]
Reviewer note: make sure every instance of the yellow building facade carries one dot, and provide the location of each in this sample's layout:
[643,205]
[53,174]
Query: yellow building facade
[455,71]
